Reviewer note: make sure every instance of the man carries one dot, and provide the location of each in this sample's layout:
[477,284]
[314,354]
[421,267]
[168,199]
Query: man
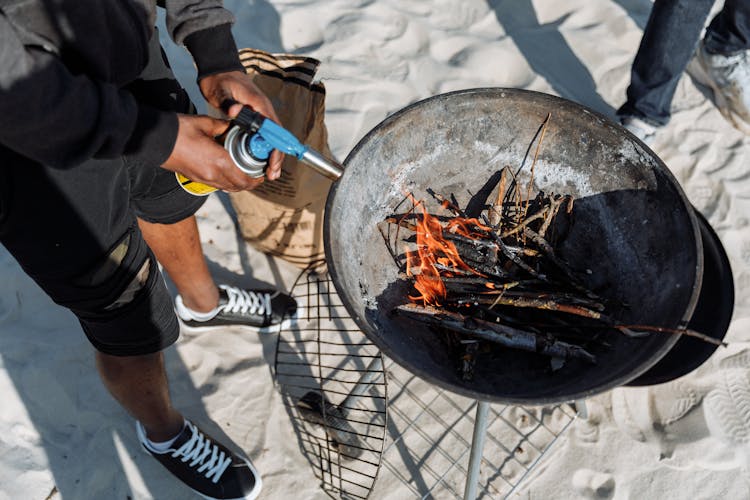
[93,128]
[721,62]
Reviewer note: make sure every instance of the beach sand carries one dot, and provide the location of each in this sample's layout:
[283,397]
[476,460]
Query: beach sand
[62,435]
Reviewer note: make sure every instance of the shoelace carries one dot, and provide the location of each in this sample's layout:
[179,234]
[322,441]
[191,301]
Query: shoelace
[246,300]
[198,449]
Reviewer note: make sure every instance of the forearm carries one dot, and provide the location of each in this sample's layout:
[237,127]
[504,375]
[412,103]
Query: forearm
[204,27]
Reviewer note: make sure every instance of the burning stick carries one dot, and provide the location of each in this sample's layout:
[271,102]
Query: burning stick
[448,204]
[536,155]
[389,247]
[474,242]
[495,214]
[516,259]
[559,297]
[628,329]
[493,332]
[548,305]
[522,225]
[552,212]
[471,280]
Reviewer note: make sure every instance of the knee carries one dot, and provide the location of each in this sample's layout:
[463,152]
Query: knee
[115,280]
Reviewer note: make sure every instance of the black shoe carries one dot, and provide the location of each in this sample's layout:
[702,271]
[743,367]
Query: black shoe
[259,309]
[205,466]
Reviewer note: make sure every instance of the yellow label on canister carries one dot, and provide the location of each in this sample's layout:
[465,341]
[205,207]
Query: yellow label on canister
[193,187]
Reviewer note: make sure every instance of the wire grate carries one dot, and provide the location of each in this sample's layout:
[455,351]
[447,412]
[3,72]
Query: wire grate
[333,387]
[430,433]
[415,438]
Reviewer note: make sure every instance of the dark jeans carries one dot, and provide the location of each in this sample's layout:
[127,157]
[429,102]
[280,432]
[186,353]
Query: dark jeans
[669,41]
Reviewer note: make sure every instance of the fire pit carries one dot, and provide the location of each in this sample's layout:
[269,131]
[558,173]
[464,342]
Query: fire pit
[633,237]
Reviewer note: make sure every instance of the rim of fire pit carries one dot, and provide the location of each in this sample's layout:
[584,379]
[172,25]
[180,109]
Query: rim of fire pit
[380,160]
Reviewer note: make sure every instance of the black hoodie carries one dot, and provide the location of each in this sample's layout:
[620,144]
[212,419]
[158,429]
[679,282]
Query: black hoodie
[64,63]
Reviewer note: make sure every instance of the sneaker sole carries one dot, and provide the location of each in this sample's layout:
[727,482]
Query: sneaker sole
[250,496]
[285,324]
[696,70]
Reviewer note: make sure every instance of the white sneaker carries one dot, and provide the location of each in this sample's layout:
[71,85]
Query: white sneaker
[639,128]
[729,79]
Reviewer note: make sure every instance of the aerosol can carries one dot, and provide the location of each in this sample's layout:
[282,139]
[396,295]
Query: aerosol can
[250,140]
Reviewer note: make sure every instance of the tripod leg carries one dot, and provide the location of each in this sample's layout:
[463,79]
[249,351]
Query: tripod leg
[477,447]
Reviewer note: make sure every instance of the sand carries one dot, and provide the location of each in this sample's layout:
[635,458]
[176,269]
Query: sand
[62,436]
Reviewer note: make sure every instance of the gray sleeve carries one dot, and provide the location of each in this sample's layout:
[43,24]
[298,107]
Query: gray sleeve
[204,28]
[185,17]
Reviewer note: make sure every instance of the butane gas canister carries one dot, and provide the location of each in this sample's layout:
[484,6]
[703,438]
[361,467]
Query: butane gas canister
[249,152]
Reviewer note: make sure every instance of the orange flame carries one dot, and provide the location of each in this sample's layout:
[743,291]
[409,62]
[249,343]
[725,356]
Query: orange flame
[433,250]
[467,227]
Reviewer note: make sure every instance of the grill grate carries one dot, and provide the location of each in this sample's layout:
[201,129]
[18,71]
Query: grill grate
[333,385]
[430,431]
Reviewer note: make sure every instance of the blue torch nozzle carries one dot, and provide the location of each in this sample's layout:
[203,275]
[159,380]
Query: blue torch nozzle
[280,138]
[266,135]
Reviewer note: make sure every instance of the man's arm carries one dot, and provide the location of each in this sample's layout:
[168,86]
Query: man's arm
[61,119]
[204,27]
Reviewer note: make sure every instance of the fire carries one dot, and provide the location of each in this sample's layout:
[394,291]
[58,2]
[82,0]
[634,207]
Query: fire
[437,257]
[467,227]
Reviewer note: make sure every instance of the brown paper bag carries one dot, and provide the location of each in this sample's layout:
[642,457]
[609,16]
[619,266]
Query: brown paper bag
[284,217]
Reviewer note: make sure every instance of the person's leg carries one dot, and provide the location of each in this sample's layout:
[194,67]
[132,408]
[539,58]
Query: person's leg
[668,43]
[88,254]
[178,248]
[722,62]
[139,384]
[201,303]
[729,31]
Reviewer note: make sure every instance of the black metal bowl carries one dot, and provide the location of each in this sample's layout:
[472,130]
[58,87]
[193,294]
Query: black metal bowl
[634,236]
[712,314]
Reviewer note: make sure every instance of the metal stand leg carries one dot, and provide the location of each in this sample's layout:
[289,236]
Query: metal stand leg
[581,409]
[477,447]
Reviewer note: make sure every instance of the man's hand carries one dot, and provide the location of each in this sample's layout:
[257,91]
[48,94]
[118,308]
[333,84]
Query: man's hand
[199,157]
[239,87]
